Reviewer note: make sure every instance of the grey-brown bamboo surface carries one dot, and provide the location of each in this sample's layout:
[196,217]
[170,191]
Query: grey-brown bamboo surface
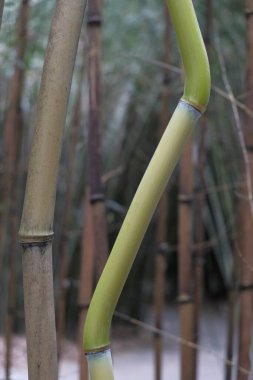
[245,222]
[95,246]
[161,229]
[231,320]
[94,23]
[12,140]
[200,198]
[86,277]
[185,269]
[36,231]
[66,214]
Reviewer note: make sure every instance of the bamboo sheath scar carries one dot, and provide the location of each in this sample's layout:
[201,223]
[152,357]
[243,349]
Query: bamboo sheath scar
[193,103]
[36,231]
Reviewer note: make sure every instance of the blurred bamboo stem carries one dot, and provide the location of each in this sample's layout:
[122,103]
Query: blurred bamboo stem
[37,219]
[94,28]
[95,205]
[161,229]
[199,254]
[66,214]
[12,143]
[245,222]
[86,277]
[185,267]
[154,181]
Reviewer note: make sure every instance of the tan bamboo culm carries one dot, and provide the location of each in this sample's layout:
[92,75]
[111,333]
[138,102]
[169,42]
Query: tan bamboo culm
[36,231]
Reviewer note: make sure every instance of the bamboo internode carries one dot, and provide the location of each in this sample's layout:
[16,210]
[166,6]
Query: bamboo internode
[36,230]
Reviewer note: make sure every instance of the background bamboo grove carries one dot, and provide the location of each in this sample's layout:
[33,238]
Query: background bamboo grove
[126,82]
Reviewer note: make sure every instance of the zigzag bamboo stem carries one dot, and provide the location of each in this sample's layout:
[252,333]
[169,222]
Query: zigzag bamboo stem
[188,111]
[36,226]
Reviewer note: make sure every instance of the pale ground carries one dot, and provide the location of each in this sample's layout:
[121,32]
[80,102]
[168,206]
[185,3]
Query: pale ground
[133,355]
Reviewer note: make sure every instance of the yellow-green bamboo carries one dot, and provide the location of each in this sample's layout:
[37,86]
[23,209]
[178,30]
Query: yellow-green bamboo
[36,229]
[188,111]
[100,365]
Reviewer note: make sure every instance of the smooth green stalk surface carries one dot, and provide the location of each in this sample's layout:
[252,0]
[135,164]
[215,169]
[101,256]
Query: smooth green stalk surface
[193,53]
[100,365]
[196,94]
[98,321]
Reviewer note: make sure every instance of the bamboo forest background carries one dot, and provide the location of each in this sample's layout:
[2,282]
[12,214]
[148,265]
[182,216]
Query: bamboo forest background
[140,68]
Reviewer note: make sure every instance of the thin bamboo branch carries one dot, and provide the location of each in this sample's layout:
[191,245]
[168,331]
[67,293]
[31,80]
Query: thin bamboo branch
[177,339]
[37,219]
[177,70]
[239,130]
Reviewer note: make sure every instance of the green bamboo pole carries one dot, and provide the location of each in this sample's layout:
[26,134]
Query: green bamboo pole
[188,111]
[36,225]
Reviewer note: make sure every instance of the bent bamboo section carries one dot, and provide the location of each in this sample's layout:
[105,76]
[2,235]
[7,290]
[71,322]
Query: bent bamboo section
[180,127]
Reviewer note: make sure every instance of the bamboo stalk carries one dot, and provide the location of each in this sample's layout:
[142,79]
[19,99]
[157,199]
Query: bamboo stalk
[245,221]
[63,246]
[231,325]
[95,250]
[86,278]
[194,101]
[36,225]
[94,21]
[185,275]
[161,235]
[12,137]
[199,254]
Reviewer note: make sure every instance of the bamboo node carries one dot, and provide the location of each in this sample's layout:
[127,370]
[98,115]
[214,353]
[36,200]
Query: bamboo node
[99,350]
[82,307]
[94,19]
[163,248]
[196,107]
[184,299]
[245,287]
[249,8]
[94,198]
[185,198]
[35,239]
